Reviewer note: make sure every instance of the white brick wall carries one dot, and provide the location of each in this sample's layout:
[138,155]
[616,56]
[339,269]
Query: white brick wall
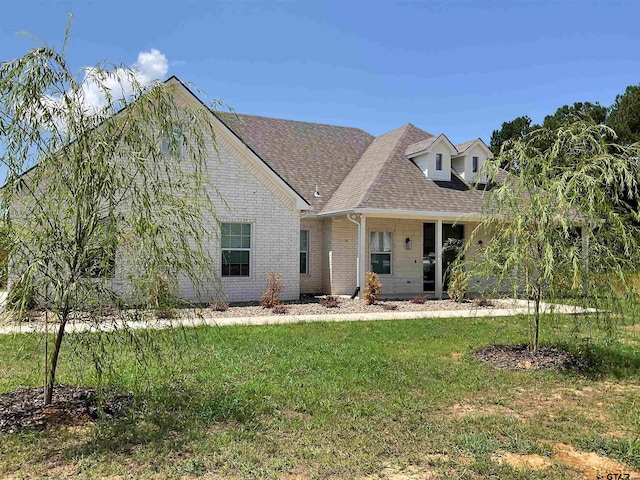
[313,280]
[252,198]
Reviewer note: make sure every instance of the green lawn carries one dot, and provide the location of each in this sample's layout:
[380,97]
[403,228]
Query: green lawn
[387,399]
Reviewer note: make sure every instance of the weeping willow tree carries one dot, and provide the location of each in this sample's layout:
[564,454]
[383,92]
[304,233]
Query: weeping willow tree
[106,203]
[564,222]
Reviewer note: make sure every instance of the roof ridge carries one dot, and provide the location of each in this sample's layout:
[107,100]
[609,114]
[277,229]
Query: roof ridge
[290,120]
[376,181]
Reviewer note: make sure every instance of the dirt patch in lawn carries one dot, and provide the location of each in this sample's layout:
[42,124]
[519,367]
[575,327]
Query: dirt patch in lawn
[410,472]
[71,406]
[590,464]
[460,410]
[520,357]
[521,462]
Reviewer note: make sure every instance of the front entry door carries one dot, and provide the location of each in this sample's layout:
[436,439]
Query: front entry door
[452,242]
[452,237]
[429,257]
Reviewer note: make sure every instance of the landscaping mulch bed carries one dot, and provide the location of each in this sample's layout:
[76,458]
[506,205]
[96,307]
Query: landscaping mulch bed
[520,357]
[24,409]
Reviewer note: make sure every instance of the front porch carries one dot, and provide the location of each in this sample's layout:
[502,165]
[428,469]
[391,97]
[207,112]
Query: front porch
[408,253]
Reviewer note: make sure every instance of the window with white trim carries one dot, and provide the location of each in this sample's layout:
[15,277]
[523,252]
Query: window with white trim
[236,249]
[304,252]
[173,147]
[438,161]
[380,244]
[474,164]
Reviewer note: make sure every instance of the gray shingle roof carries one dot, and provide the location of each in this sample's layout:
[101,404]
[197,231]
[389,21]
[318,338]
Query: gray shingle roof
[419,146]
[304,154]
[352,168]
[461,147]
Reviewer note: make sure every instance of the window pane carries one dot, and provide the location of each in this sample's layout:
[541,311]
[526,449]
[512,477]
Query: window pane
[303,262]
[235,229]
[380,241]
[386,246]
[304,240]
[381,263]
[374,242]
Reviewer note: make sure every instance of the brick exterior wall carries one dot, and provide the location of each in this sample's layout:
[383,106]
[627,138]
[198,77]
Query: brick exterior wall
[341,250]
[406,265]
[312,282]
[275,227]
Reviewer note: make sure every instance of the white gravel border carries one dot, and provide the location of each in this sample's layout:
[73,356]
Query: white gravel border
[503,308]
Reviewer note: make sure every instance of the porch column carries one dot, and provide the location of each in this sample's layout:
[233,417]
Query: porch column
[584,233]
[362,254]
[438,258]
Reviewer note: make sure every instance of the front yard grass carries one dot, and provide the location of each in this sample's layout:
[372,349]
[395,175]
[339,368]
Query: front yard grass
[387,399]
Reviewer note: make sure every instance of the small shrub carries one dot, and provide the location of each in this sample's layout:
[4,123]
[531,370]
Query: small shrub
[166,313]
[274,288]
[372,289]
[458,284]
[329,302]
[389,306]
[419,300]
[159,294]
[219,306]
[280,309]
[483,302]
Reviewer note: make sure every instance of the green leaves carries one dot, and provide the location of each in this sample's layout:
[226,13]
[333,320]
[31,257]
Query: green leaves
[569,178]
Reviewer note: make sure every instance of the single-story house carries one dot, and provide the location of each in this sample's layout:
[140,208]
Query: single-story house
[323,204]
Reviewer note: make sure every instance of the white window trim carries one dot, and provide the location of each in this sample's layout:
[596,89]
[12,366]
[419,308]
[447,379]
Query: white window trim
[390,253]
[306,274]
[441,160]
[475,164]
[251,250]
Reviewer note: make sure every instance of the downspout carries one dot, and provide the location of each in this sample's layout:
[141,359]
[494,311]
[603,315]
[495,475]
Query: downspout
[351,217]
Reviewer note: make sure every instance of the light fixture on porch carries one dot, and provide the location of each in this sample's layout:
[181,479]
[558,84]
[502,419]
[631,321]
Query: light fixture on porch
[407,243]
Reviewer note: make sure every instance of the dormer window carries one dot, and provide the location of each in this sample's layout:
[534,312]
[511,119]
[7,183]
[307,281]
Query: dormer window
[438,161]
[474,164]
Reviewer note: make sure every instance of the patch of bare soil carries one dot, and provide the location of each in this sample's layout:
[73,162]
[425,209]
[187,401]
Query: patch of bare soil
[590,464]
[460,410]
[71,406]
[411,472]
[520,462]
[520,357]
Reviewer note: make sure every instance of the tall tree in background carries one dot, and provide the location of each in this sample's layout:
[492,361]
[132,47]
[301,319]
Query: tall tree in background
[578,111]
[114,209]
[514,129]
[624,115]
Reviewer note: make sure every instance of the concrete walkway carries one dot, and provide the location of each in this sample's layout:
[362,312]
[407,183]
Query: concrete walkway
[517,307]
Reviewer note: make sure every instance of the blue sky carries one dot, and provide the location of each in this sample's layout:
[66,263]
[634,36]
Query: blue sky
[458,67]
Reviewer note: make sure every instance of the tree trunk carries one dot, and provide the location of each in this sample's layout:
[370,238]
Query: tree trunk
[536,328]
[48,388]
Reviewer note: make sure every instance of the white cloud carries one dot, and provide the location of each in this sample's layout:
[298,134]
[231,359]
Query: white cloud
[150,66]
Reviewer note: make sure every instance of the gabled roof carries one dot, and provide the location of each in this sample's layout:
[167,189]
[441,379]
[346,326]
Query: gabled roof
[352,169]
[420,147]
[463,147]
[364,178]
[304,154]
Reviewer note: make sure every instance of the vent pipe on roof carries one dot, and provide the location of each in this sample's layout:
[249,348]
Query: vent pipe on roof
[317,193]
